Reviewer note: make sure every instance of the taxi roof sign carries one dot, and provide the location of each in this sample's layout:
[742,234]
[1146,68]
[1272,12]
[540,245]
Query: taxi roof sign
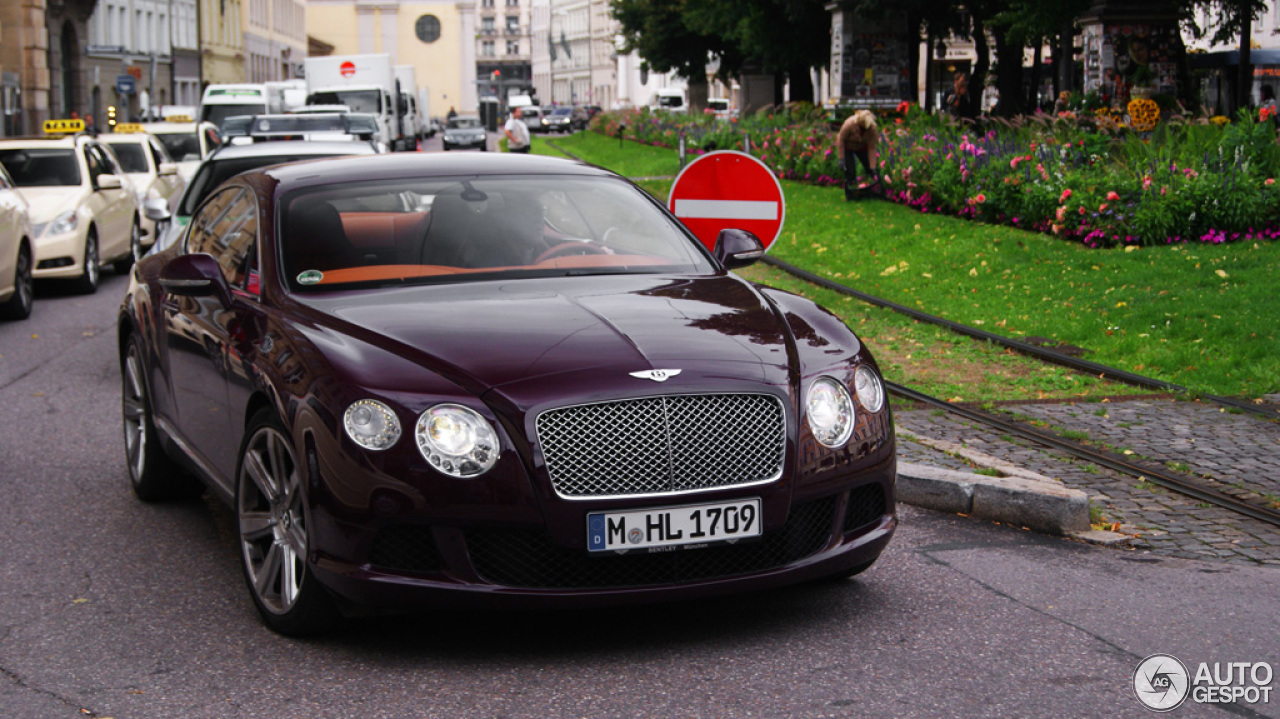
[178,118]
[129,127]
[63,127]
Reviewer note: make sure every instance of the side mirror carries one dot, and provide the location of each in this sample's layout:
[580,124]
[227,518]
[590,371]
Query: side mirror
[110,182]
[737,248]
[167,169]
[195,275]
[156,209]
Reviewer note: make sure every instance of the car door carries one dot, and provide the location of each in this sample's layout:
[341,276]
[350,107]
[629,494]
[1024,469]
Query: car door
[204,337]
[112,208]
[168,187]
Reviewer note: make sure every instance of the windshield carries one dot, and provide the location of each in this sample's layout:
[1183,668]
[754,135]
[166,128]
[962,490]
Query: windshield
[214,172]
[217,113]
[459,230]
[357,100]
[718,104]
[670,101]
[562,111]
[132,156]
[39,167]
[181,146]
[464,122]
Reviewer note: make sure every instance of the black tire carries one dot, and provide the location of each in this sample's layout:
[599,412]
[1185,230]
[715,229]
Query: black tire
[18,306]
[87,283]
[122,265]
[152,473]
[445,145]
[272,524]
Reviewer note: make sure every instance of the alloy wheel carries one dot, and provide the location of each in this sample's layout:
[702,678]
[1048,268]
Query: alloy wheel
[273,531]
[134,408]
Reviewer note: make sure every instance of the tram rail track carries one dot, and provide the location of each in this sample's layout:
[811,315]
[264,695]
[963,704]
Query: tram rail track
[1145,472]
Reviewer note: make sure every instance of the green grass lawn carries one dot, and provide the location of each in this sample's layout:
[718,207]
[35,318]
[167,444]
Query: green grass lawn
[1203,316]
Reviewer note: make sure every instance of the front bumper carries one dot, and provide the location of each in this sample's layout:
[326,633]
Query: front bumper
[494,564]
[59,256]
[465,141]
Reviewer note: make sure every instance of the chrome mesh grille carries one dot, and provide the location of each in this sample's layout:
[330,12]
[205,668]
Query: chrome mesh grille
[658,445]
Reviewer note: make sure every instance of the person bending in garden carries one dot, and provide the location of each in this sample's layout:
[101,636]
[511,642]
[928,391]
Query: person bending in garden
[857,139]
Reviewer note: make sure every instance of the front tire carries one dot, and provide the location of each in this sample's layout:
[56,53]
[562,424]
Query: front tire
[273,527]
[153,475]
[122,265]
[18,306]
[87,283]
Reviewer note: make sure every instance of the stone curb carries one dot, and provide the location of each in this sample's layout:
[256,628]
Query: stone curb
[1040,504]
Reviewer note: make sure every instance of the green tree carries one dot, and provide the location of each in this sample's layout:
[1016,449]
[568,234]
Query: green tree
[660,32]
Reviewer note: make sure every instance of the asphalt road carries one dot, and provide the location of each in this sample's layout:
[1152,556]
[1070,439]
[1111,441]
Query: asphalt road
[114,608]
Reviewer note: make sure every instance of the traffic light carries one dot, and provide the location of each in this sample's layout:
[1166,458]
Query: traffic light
[111,116]
[497,75]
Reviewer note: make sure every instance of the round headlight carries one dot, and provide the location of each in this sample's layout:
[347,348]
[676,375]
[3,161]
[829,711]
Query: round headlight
[371,424]
[830,411]
[869,388]
[457,440]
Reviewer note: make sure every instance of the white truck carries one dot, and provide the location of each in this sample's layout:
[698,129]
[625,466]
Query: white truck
[407,80]
[284,95]
[364,83]
[222,101]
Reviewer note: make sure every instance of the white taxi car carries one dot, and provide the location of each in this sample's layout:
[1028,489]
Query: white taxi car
[187,142]
[16,288]
[152,173]
[83,211]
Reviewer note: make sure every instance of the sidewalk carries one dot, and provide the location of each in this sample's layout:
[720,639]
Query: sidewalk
[1240,452]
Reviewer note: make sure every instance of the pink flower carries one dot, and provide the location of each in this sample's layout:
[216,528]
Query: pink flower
[1102,207]
[1113,196]
[1066,195]
[1269,181]
[981,198]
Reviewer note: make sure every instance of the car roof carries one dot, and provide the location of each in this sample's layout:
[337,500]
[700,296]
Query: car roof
[466,117]
[112,137]
[294,147]
[416,165]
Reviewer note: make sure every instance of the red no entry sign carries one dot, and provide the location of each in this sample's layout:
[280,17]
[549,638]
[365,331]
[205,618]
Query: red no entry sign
[347,68]
[728,189]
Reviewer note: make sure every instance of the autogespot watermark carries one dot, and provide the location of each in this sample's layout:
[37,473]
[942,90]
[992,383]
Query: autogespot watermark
[1162,683]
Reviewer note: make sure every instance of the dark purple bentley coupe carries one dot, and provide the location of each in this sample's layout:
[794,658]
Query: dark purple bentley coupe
[429,380]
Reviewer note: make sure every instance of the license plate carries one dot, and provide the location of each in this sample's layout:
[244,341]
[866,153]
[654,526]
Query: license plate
[661,527]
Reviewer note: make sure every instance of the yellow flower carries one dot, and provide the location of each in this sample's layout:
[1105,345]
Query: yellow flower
[1219,120]
[1144,114]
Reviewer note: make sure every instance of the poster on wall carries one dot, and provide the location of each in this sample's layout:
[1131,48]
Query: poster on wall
[874,69]
[1136,55]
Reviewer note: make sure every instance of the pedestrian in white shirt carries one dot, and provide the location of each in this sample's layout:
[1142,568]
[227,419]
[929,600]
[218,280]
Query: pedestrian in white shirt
[517,132]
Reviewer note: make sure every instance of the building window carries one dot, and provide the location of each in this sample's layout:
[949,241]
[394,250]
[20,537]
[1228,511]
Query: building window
[486,25]
[513,47]
[486,48]
[513,3]
[427,28]
[487,3]
[513,25]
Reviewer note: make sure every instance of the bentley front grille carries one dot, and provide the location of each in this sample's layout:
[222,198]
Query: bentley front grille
[663,445]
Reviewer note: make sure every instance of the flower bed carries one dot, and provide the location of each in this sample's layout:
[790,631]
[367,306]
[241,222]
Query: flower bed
[1091,181]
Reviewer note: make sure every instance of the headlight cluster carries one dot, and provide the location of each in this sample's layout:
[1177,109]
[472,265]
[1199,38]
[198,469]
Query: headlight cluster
[830,409]
[454,439]
[64,223]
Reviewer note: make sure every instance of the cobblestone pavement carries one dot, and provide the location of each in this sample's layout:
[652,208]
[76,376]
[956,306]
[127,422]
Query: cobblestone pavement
[1239,451]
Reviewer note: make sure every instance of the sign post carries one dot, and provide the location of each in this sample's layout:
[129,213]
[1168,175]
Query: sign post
[728,189]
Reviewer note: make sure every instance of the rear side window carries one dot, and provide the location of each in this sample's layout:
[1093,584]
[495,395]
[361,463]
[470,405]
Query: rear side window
[227,228]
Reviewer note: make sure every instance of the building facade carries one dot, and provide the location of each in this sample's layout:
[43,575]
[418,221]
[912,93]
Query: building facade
[42,68]
[133,39]
[222,58]
[575,57]
[275,39]
[437,37]
[503,46]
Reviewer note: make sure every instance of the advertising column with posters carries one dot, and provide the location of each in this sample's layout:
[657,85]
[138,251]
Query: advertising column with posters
[1121,58]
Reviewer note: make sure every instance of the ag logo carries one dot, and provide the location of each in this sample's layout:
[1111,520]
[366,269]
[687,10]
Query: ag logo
[657,375]
[635,536]
[1161,682]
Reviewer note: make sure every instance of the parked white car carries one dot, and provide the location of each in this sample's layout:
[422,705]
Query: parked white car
[83,211]
[16,253]
[150,170]
[187,142]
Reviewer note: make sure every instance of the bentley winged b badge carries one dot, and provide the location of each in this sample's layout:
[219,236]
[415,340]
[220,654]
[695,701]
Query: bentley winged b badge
[657,375]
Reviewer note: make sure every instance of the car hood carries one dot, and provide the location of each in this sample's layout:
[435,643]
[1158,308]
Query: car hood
[49,202]
[525,337]
[465,131]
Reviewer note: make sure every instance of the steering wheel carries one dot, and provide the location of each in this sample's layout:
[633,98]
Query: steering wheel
[567,249]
